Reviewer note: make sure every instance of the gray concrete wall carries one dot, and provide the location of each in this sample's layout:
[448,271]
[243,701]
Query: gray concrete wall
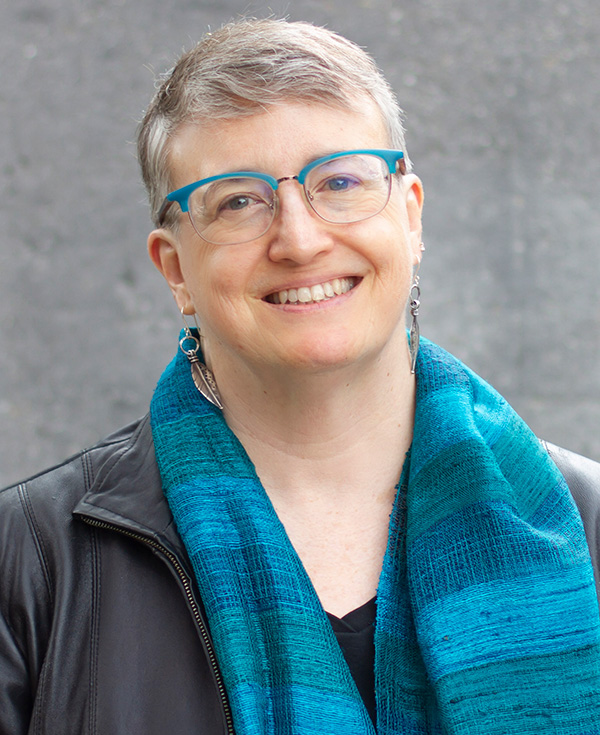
[502,101]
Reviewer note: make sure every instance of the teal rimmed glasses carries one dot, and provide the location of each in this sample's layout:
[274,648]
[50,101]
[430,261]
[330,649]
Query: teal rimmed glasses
[238,207]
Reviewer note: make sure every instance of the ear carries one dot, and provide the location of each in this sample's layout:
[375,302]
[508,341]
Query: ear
[163,249]
[413,191]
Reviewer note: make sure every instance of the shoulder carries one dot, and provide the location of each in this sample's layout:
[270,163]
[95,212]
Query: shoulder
[64,484]
[583,478]
[38,512]
[40,544]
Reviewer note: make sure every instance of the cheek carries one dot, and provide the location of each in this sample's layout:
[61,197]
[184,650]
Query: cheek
[391,252]
[218,286]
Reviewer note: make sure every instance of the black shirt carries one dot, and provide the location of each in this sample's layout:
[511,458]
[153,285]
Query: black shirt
[355,635]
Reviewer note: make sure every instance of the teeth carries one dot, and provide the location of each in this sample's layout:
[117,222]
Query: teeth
[304,295]
[319,292]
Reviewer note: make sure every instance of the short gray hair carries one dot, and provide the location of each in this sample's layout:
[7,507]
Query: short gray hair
[251,64]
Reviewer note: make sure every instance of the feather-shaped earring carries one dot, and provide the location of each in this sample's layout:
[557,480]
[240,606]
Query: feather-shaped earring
[203,378]
[414,304]
[415,335]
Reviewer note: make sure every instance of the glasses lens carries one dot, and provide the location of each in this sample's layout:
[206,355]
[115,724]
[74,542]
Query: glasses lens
[232,210]
[349,188]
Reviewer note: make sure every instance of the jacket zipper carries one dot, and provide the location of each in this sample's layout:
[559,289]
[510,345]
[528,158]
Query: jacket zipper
[191,602]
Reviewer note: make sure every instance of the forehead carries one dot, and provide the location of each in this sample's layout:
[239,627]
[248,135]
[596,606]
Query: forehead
[279,140]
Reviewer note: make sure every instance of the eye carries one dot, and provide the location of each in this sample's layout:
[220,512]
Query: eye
[240,204]
[231,199]
[237,202]
[339,183]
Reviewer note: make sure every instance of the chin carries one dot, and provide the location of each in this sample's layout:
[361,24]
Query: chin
[326,355]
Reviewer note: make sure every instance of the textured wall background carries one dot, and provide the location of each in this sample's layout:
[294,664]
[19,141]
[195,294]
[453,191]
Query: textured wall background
[502,101]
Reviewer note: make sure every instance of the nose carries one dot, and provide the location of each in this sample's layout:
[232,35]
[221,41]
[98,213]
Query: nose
[297,234]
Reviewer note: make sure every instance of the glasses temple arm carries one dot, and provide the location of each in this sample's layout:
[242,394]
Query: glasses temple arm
[162,212]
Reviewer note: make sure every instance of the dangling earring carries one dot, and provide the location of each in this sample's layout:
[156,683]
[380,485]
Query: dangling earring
[415,303]
[203,378]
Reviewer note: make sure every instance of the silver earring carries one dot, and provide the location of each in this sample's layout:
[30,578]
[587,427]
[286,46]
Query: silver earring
[203,378]
[415,296]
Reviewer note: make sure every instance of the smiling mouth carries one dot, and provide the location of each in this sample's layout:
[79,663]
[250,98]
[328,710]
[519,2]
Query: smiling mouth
[313,294]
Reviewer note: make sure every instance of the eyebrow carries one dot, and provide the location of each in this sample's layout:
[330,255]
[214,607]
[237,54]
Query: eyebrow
[254,169]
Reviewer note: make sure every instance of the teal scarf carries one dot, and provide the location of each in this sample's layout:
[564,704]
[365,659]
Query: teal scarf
[487,618]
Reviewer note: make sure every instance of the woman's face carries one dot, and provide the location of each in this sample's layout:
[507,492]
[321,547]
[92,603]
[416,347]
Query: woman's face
[231,287]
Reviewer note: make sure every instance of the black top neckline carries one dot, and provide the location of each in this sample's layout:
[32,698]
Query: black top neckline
[355,634]
[356,620]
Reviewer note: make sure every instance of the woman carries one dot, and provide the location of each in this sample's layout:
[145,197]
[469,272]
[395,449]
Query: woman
[366,536]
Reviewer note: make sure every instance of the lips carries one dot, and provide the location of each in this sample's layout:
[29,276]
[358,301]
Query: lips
[313,294]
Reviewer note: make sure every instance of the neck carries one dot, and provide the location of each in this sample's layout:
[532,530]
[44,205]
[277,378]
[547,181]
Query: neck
[333,432]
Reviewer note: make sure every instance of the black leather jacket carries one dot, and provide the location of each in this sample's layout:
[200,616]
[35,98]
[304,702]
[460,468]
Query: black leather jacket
[101,626]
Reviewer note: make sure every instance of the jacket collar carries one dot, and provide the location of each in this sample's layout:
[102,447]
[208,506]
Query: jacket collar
[126,490]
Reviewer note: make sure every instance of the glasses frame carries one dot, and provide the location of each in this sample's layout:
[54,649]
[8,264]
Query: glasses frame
[394,160]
